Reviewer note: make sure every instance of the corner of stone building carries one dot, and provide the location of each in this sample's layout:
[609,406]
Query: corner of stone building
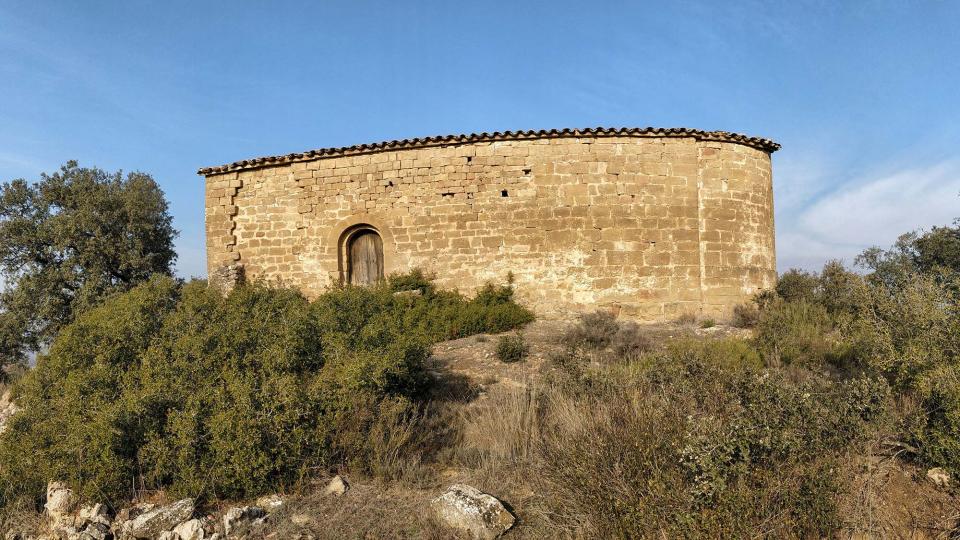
[227,277]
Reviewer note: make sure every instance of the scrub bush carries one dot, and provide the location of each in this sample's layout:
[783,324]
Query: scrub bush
[794,333]
[630,342]
[745,315]
[176,387]
[512,348]
[903,332]
[900,322]
[697,440]
[593,330]
[935,432]
[796,285]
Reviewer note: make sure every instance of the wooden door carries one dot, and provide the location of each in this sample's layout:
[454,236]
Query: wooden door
[366,258]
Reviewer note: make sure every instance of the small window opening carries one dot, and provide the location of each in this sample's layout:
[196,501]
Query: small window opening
[390,183]
[469,159]
[504,193]
[447,194]
[526,172]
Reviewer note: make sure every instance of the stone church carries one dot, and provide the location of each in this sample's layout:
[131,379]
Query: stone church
[648,222]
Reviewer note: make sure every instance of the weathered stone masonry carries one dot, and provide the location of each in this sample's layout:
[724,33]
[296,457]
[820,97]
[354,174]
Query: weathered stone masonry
[648,222]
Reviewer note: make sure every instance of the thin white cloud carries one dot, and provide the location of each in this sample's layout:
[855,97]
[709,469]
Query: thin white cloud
[871,212]
[13,166]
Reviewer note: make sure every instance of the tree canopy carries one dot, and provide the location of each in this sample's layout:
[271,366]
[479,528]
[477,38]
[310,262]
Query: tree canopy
[934,252]
[68,240]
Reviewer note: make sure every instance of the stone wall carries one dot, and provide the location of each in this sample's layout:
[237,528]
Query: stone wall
[650,226]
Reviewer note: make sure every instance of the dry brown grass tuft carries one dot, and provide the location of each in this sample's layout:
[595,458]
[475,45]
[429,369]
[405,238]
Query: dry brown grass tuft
[503,428]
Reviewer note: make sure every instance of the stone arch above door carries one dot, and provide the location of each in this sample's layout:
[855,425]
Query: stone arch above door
[362,248]
[357,230]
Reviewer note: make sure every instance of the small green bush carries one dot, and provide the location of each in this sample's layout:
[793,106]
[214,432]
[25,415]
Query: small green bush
[414,280]
[594,330]
[795,285]
[838,289]
[745,315]
[833,288]
[937,433]
[630,342]
[512,348]
[708,323]
[794,333]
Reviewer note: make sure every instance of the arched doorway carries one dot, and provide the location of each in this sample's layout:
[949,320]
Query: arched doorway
[363,255]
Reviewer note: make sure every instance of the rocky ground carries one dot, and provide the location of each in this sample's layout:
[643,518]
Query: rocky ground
[893,500]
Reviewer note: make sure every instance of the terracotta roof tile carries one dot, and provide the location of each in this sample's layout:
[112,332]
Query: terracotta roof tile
[449,140]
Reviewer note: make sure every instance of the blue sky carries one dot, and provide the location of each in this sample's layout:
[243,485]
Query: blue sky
[863,96]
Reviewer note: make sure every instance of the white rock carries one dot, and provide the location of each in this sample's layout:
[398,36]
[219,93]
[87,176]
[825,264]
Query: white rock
[470,510]
[271,503]
[60,501]
[97,513]
[301,519]
[411,293]
[7,409]
[63,531]
[939,477]
[239,515]
[190,530]
[95,531]
[125,515]
[338,486]
[153,522]
[167,535]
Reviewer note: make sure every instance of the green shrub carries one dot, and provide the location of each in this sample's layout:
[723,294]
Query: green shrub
[794,333]
[512,348]
[414,280]
[902,332]
[795,285]
[177,387]
[838,289]
[74,423]
[745,315]
[708,323]
[630,342]
[594,330]
[833,288]
[434,314]
[937,433]
[702,442]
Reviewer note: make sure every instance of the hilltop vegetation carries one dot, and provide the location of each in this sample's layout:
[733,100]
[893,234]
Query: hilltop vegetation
[174,387]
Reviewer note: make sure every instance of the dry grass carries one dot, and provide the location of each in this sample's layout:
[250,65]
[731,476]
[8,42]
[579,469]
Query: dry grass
[502,429]
[368,510]
[634,449]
